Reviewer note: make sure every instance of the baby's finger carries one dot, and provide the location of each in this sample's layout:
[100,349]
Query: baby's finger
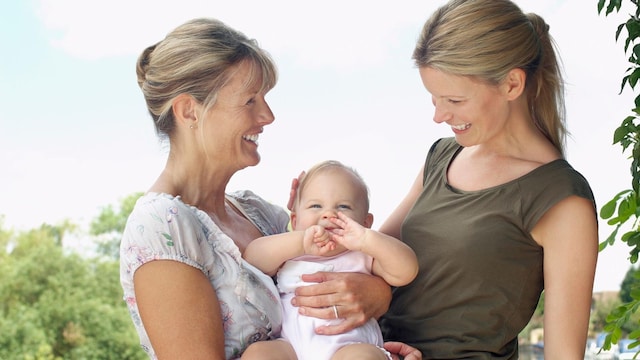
[326,247]
[338,222]
[343,217]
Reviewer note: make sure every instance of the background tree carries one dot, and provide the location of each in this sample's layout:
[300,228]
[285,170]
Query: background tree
[57,305]
[629,283]
[109,225]
[624,208]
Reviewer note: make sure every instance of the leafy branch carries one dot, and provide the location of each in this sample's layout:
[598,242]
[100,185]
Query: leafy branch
[624,207]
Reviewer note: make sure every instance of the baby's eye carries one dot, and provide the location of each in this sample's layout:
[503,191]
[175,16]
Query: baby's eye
[314,206]
[347,207]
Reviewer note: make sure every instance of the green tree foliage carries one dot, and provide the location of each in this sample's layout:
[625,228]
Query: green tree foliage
[109,225]
[624,208]
[60,306]
[600,312]
[629,283]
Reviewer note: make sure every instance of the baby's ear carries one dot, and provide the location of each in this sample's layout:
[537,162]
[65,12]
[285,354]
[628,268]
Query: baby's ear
[368,220]
[293,220]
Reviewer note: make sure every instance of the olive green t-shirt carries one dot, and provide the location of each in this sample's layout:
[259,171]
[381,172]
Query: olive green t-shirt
[480,274]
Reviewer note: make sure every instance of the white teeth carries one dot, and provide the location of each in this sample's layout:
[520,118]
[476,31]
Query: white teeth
[253,138]
[461,127]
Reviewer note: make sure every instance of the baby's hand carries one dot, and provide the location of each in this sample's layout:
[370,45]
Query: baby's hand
[349,233]
[317,241]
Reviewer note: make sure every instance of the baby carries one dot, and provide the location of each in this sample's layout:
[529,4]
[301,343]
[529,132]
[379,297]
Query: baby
[331,232]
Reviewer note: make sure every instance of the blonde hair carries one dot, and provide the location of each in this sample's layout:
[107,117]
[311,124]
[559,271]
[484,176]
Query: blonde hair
[332,165]
[197,58]
[486,39]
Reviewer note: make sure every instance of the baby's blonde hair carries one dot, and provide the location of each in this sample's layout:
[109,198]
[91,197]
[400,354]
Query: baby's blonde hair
[330,165]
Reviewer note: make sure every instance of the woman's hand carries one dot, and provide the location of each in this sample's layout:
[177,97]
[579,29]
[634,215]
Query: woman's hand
[350,293]
[400,350]
[294,190]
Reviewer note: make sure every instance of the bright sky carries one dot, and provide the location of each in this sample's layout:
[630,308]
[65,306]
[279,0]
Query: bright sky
[75,135]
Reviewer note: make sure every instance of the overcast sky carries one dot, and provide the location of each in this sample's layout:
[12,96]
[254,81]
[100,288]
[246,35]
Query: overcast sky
[75,135]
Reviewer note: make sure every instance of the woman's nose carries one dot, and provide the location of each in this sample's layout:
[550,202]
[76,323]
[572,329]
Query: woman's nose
[441,115]
[266,115]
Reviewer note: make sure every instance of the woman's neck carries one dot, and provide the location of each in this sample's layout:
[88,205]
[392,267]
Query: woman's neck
[204,188]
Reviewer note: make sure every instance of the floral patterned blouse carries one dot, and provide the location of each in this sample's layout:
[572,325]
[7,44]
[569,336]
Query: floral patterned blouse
[162,227]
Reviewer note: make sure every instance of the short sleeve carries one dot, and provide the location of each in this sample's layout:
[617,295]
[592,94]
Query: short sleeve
[269,218]
[543,191]
[161,227]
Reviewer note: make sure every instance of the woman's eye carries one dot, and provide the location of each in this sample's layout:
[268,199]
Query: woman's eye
[452,101]
[251,101]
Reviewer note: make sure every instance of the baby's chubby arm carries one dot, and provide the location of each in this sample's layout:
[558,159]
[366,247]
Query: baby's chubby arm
[268,253]
[393,260]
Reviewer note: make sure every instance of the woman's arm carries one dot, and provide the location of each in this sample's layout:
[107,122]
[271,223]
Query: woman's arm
[180,311]
[393,223]
[568,233]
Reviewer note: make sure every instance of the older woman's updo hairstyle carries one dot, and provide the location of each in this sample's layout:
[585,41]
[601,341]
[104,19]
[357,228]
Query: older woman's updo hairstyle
[197,58]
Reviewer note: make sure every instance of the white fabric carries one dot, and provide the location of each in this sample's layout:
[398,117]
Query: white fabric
[299,329]
[289,274]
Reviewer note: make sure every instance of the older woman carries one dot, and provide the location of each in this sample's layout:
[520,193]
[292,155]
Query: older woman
[189,292]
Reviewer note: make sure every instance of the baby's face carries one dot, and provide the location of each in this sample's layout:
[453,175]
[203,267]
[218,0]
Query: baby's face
[325,194]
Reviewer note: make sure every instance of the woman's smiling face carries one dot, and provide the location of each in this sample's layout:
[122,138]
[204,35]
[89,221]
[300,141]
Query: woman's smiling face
[237,119]
[475,111]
